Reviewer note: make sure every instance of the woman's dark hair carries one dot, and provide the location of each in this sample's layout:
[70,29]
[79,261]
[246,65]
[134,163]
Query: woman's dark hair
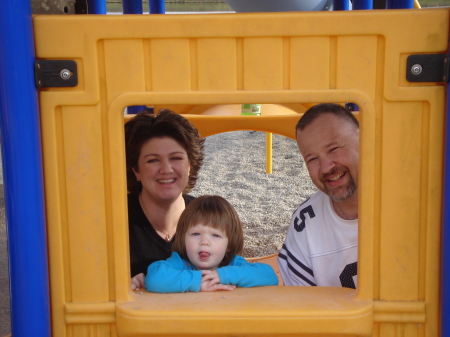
[326,108]
[216,212]
[145,126]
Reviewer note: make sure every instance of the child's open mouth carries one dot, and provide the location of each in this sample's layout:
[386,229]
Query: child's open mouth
[204,256]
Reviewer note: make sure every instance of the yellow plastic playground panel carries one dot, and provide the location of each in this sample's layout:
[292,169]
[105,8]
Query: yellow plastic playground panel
[195,63]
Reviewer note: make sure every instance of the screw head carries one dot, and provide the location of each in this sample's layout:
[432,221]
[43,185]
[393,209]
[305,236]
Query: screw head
[65,74]
[416,69]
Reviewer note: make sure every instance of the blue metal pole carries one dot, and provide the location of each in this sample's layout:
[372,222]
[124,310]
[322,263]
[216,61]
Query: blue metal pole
[362,4]
[96,6]
[399,4]
[445,309]
[341,5]
[132,6]
[157,6]
[22,172]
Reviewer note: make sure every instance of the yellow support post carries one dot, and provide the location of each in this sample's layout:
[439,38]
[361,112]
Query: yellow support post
[269,152]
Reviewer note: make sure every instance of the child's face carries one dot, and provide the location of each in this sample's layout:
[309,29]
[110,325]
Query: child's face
[205,247]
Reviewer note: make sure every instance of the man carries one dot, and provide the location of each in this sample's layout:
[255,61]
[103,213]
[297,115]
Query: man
[321,247]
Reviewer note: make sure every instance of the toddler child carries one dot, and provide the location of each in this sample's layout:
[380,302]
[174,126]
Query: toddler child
[206,252]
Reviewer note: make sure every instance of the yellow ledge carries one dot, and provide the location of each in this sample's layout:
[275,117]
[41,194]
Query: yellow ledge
[399,312]
[265,310]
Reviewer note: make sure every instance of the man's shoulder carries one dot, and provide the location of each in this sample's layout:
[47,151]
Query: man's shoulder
[314,199]
[313,211]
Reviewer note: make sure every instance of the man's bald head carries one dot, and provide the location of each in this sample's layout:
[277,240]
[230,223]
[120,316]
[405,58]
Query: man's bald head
[326,108]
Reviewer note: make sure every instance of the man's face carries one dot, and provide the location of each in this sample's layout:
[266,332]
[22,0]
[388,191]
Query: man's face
[330,148]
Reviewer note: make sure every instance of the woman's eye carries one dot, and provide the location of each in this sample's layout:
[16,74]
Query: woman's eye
[152,160]
[216,235]
[195,234]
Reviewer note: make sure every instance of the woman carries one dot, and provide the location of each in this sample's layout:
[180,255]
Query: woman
[164,154]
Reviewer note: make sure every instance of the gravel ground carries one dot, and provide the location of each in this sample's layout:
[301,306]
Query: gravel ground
[235,168]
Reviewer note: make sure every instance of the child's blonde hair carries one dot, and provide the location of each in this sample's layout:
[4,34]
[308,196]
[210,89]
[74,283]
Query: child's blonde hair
[212,211]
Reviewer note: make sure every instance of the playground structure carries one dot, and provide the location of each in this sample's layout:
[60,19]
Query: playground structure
[192,62]
[241,6]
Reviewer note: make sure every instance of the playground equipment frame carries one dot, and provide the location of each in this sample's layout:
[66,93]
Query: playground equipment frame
[22,165]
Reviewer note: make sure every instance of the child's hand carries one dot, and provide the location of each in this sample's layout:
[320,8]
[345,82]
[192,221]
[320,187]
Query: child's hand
[211,282]
[137,281]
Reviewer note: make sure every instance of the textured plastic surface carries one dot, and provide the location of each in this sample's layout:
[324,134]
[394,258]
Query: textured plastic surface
[193,62]
[247,6]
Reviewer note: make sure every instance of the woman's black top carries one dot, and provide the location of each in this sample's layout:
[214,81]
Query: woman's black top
[146,246]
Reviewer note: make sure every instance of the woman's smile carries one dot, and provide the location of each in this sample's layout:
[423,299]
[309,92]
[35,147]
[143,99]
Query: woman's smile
[163,168]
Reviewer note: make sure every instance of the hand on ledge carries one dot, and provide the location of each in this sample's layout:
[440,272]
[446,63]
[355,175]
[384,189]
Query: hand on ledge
[211,282]
[137,281]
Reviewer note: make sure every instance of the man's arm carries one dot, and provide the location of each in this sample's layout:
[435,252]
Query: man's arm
[294,270]
[294,260]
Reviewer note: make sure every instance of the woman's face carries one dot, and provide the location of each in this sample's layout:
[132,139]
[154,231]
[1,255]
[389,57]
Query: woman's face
[163,168]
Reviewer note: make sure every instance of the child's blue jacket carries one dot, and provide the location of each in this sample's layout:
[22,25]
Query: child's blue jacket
[176,275]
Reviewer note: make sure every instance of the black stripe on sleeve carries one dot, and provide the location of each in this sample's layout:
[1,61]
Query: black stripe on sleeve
[299,263]
[295,271]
